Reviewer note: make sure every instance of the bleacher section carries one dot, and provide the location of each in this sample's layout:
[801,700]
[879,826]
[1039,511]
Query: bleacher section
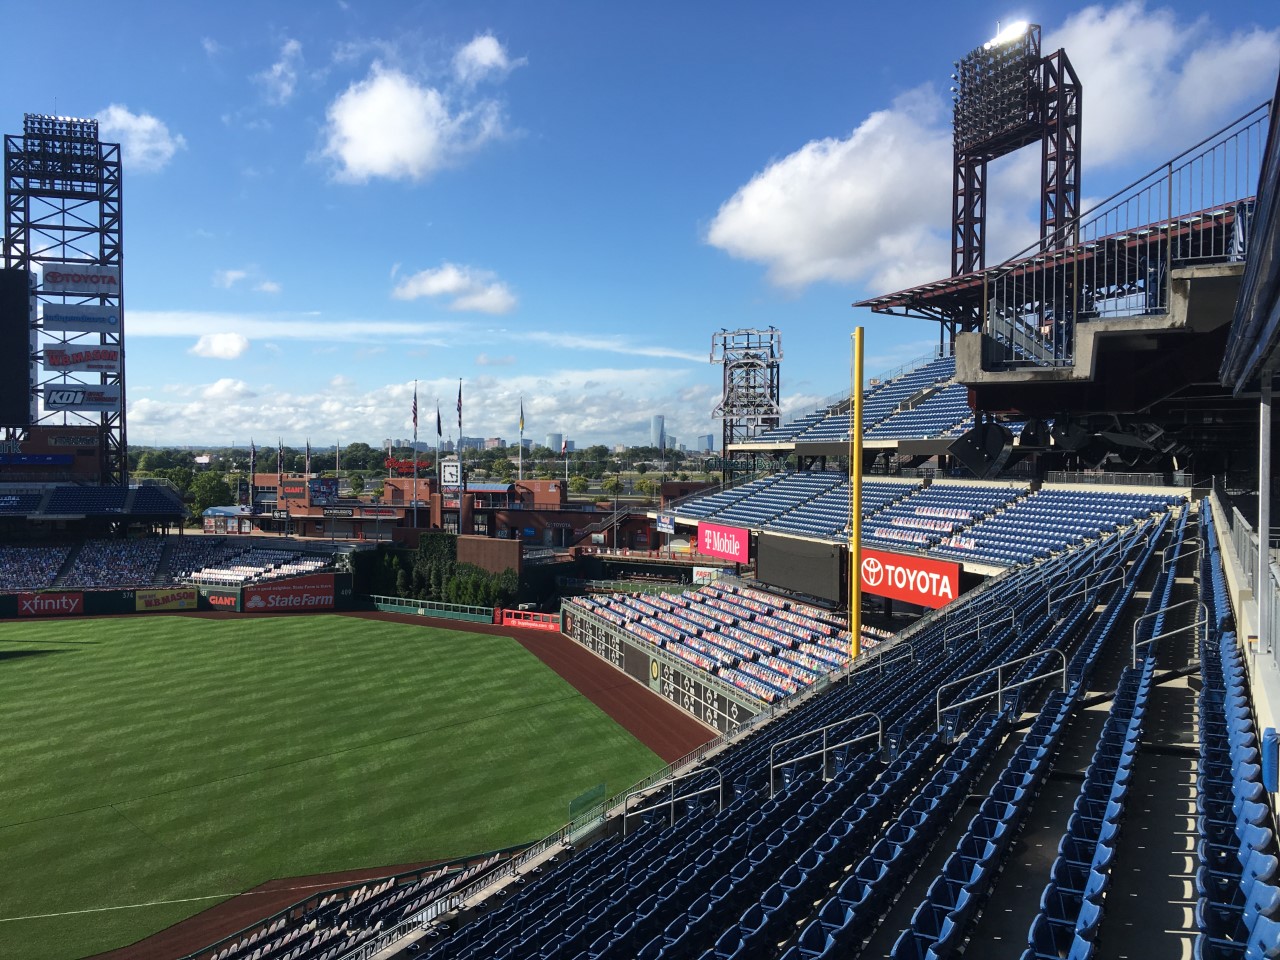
[920,403]
[1047,521]
[84,501]
[144,501]
[115,563]
[1000,525]
[233,563]
[768,647]
[30,568]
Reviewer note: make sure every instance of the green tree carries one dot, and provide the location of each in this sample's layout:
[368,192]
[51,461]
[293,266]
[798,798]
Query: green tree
[209,490]
[357,484]
[642,468]
[578,484]
[648,488]
[611,485]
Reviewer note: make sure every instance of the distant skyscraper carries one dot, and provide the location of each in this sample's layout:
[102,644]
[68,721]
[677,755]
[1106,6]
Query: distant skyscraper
[657,425]
[569,447]
[554,440]
[707,443]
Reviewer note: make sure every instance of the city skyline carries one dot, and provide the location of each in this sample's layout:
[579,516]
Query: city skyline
[561,210]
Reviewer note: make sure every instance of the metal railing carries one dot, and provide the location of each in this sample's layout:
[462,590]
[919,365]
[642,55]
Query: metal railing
[1201,621]
[999,692]
[1175,479]
[718,789]
[1196,208]
[774,765]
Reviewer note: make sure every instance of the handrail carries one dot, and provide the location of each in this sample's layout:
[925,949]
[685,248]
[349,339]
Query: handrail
[626,802]
[998,670]
[826,748]
[1178,547]
[1204,622]
[1050,595]
[868,661]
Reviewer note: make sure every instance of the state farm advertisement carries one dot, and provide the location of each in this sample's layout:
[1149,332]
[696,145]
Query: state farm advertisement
[286,596]
[731,543]
[929,583]
[50,604]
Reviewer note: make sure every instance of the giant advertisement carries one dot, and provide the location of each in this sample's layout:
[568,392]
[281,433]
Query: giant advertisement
[716,540]
[314,592]
[81,318]
[929,583]
[50,604]
[84,397]
[88,278]
[220,598]
[294,489]
[177,598]
[81,359]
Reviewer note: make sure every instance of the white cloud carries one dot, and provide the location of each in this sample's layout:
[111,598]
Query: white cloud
[297,327]
[1155,83]
[481,58]
[484,360]
[873,207]
[226,279]
[227,389]
[145,141]
[606,344]
[221,346]
[469,288]
[389,125]
[211,46]
[281,78]
[268,286]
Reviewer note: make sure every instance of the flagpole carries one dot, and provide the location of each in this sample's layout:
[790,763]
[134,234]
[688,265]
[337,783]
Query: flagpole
[520,468]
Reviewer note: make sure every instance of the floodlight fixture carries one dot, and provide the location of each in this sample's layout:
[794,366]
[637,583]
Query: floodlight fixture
[1012,32]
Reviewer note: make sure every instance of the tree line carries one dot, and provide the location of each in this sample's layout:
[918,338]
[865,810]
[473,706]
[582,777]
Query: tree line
[433,573]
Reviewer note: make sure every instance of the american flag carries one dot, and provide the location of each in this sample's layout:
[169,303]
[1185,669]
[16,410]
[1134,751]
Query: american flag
[459,408]
[415,410]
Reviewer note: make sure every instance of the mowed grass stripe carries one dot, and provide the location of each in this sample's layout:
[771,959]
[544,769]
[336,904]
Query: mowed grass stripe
[177,758]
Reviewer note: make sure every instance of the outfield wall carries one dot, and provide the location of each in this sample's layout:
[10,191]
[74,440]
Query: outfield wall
[315,593]
[709,699]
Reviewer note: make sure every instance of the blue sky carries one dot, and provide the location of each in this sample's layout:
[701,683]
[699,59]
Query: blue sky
[327,200]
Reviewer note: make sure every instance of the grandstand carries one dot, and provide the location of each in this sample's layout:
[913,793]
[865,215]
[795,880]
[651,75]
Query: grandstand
[1073,758]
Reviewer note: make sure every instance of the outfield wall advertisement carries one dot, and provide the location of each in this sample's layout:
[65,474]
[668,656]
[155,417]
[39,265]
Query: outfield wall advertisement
[312,593]
[717,540]
[178,598]
[920,580]
[50,604]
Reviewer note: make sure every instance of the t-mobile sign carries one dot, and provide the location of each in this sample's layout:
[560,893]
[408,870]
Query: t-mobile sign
[715,540]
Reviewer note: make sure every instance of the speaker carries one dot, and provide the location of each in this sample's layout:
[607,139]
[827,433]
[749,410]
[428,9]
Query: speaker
[985,450]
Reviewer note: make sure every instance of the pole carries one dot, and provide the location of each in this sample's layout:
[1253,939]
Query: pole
[415,454]
[1262,589]
[855,496]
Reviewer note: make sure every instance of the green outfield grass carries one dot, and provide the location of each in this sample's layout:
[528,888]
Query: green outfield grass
[173,759]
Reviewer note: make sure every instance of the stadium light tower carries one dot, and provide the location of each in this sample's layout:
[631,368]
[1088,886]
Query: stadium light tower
[63,232]
[750,403]
[1007,96]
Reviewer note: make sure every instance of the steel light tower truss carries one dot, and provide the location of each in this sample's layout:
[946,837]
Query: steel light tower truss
[1007,96]
[750,403]
[63,205]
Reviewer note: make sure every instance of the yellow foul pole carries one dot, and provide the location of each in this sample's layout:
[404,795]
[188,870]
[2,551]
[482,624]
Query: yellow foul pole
[855,496]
